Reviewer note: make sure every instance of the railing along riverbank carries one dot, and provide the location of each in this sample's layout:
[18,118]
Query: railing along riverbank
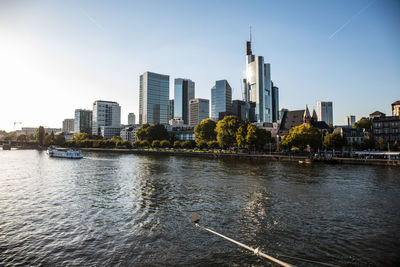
[247,156]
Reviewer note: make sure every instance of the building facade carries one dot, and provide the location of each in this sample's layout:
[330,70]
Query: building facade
[31,131]
[129,133]
[396,108]
[275,103]
[258,86]
[171,109]
[153,98]
[68,125]
[83,121]
[221,98]
[131,119]
[350,120]
[239,109]
[325,111]
[106,118]
[183,93]
[386,127]
[199,109]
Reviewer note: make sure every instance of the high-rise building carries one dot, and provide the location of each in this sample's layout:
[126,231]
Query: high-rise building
[350,120]
[199,109]
[239,109]
[221,98]
[275,102]
[257,86]
[106,118]
[83,121]
[131,119]
[325,112]
[171,110]
[68,126]
[153,98]
[183,92]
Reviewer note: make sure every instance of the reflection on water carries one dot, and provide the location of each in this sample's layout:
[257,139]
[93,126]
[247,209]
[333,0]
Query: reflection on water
[132,210]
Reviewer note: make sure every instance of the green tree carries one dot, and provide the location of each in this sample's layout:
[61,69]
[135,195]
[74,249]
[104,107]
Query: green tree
[143,132]
[47,140]
[226,131]
[158,132]
[363,123]
[80,136]
[40,135]
[212,144]
[241,136]
[59,140]
[177,144]
[144,143]
[116,138]
[136,144]
[201,144]
[165,143]
[205,131]
[187,144]
[155,143]
[22,138]
[301,136]
[263,137]
[381,144]
[334,140]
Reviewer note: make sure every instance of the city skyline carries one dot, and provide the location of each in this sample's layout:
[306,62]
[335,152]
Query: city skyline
[72,49]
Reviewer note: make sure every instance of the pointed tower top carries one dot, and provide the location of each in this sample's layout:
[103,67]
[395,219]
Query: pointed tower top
[314,115]
[306,113]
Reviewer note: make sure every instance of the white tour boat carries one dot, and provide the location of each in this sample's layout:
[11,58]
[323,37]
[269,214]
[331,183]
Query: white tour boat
[64,153]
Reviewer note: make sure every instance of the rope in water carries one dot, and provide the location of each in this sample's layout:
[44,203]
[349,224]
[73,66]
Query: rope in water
[301,259]
[255,251]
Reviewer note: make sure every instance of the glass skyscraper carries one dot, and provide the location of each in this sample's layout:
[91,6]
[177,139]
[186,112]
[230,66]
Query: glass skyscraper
[171,109]
[258,86]
[221,98]
[83,121]
[199,110]
[153,98]
[325,112]
[183,93]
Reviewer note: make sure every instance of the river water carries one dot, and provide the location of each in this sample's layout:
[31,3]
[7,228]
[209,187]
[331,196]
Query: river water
[129,210]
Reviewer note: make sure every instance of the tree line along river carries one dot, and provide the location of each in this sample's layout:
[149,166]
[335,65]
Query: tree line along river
[134,210]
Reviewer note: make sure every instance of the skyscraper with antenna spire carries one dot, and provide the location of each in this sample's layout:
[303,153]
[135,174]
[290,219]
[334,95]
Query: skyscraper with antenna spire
[257,87]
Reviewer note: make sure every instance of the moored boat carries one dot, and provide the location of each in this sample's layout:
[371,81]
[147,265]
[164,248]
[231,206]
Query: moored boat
[68,153]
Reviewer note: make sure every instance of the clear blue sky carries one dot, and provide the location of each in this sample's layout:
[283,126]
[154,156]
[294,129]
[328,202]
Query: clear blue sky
[56,56]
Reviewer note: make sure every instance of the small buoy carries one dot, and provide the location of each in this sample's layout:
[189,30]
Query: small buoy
[195,218]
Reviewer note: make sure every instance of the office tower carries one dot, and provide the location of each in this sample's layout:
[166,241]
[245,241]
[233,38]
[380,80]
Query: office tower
[350,120]
[153,98]
[106,118]
[257,86]
[68,126]
[171,110]
[239,109]
[325,112]
[131,119]
[221,98]
[83,121]
[183,92]
[199,109]
[275,102]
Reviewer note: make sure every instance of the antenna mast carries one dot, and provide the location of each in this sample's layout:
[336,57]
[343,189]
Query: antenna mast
[250,33]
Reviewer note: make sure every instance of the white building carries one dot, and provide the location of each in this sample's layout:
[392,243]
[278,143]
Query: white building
[176,122]
[131,119]
[68,125]
[106,114]
[129,132]
[32,130]
[350,120]
[325,111]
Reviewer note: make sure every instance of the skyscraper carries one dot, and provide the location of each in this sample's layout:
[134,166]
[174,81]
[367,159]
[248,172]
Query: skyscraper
[131,118]
[199,109]
[83,121]
[68,126]
[106,118]
[221,98]
[183,92]
[153,98]
[325,112]
[257,86]
[275,102]
[171,110]
[350,120]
